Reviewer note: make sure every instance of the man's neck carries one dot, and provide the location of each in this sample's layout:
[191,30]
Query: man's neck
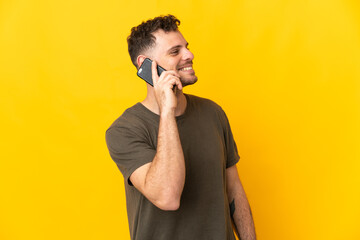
[150,103]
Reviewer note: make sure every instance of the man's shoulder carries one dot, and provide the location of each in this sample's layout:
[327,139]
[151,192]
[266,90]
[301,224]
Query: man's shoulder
[203,103]
[130,116]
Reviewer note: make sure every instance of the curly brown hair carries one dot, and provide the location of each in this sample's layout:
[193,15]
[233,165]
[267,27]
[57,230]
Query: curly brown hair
[141,37]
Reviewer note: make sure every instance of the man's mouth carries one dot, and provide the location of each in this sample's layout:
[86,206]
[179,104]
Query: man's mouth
[185,68]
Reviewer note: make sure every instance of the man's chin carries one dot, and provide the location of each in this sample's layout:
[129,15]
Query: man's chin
[189,81]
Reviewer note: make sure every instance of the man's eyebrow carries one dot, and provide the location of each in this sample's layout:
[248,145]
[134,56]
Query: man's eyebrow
[176,47]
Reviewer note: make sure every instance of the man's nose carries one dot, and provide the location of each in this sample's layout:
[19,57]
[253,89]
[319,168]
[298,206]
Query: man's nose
[188,55]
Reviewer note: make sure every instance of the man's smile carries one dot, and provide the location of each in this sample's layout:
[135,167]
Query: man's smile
[185,68]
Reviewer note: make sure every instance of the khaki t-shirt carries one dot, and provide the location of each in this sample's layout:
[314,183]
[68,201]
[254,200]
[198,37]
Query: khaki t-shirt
[209,148]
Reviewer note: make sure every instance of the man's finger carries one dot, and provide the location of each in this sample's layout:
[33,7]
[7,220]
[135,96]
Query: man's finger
[174,82]
[178,84]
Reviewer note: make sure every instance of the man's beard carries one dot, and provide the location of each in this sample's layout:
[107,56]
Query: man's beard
[187,82]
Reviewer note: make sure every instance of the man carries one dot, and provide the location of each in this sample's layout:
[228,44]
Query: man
[176,151]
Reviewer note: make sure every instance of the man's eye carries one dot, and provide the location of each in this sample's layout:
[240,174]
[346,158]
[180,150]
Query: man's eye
[174,52]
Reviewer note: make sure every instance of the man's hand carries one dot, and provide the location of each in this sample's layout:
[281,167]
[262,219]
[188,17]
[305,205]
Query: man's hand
[163,86]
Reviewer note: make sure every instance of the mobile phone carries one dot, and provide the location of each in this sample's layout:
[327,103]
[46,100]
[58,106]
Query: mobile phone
[145,71]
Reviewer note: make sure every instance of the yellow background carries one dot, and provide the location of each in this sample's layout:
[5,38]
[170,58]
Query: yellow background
[287,74]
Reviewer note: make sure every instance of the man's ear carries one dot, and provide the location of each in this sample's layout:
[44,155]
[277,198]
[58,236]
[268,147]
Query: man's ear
[140,59]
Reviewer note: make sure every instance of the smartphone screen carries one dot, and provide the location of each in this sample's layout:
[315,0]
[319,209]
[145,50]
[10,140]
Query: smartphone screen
[145,73]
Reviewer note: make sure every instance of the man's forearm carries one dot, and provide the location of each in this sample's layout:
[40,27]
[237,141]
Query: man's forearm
[166,176]
[242,216]
[239,206]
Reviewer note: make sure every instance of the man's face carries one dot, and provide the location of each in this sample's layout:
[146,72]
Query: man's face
[172,53]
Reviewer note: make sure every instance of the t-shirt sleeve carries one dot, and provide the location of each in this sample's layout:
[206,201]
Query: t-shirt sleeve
[231,148]
[128,150]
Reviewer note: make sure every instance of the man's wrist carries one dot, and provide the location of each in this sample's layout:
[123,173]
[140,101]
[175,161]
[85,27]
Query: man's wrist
[167,112]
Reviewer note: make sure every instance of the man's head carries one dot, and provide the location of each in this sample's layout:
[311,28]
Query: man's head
[160,40]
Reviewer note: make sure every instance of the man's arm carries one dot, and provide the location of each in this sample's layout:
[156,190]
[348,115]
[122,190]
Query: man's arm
[239,206]
[162,181]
